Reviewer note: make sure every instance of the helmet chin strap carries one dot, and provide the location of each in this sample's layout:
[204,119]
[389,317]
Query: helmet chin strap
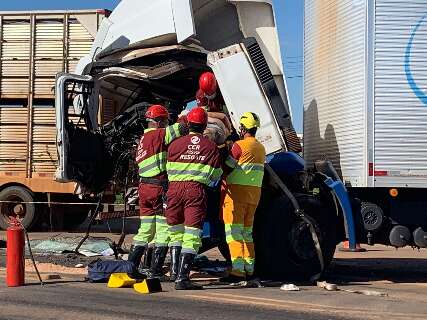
[211,97]
[154,122]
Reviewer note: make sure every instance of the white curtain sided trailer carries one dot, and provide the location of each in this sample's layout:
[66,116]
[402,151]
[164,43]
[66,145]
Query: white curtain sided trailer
[365,108]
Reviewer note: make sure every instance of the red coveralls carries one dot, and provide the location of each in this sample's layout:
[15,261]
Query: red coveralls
[193,163]
[151,159]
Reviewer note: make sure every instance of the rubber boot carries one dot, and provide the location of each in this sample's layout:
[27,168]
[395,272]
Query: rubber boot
[135,254]
[175,253]
[183,281]
[158,259]
[146,262]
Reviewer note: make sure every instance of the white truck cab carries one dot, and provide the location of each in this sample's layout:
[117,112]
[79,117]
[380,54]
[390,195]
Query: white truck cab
[153,52]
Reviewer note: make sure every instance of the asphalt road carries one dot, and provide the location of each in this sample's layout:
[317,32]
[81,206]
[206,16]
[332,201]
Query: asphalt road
[400,274]
[88,301]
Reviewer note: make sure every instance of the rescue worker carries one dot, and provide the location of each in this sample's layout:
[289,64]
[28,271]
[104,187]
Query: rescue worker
[151,159]
[209,94]
[193,163]
[242,195]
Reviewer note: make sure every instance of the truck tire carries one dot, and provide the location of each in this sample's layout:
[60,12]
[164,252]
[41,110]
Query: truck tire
[283,243]
[25,212]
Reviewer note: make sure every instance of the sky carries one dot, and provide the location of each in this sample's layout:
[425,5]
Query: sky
[289,14]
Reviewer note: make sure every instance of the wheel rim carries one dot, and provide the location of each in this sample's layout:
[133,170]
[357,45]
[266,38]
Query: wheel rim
[14,209]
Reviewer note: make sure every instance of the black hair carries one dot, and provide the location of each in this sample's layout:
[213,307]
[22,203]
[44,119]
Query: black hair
[197,128]
[251,131]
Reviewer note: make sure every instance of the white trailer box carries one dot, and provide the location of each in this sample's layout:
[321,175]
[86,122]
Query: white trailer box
[365,90]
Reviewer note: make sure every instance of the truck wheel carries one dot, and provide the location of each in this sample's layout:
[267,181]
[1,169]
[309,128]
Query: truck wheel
[25,212]
[283,243]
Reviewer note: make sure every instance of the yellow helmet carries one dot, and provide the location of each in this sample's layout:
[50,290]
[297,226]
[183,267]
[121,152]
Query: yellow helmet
[250,120]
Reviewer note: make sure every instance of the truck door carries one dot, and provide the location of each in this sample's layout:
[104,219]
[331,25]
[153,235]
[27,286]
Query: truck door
[81,152]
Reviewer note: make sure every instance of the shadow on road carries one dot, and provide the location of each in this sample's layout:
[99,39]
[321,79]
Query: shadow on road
[397,270]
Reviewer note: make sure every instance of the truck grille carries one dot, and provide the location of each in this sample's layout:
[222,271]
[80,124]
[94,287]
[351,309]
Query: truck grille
[292,141]
[260,63]
[278,105]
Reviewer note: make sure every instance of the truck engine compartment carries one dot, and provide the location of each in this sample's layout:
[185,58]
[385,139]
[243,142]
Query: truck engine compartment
[131,81]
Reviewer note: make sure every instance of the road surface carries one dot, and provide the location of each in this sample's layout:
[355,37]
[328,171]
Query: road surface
[397,280]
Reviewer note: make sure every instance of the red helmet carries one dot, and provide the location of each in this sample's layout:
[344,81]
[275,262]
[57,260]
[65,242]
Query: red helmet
[157,111]
[207,83]
[198,116]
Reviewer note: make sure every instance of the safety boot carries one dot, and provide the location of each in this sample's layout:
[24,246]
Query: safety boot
[135,254]
[183,281]
[146,262]
[175,253]
[157,261]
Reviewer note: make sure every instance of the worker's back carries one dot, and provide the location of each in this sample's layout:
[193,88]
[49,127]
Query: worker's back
[151,154]
[193,158]
[246,179]
[252,151]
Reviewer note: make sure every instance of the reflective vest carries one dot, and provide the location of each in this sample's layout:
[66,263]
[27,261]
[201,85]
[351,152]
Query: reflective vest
[152,149]
[193,158]
[249,154]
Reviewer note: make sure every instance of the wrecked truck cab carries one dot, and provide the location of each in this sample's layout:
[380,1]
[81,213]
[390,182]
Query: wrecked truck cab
[95,148]
[112,100]
[246,84]
[128,70]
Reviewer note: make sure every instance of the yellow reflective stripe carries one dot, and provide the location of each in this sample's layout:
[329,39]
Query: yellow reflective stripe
[153,165]
[198,172]
[247,174]
[238,265]
[233,232]
[176,234]
[247,235]
[172,132]
[162,232]
[231,162]
[251,166]
[146,230]
[191,241]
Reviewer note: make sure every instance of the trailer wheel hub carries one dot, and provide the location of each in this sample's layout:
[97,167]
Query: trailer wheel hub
[13,209]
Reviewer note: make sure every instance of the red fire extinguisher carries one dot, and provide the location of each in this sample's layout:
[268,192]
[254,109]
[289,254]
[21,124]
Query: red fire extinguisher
[15,259]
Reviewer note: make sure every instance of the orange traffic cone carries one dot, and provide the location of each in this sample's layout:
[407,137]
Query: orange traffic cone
[346,247]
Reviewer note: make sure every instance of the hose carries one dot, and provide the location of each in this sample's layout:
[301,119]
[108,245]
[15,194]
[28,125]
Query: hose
[300,214]
[31,253]
[89,227]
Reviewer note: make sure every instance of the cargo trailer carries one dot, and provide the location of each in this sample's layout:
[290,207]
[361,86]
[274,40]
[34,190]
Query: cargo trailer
[365,109]
[34,47]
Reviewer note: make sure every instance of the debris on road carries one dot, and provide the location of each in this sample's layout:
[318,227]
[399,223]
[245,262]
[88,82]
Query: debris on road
[333,287]
[92,247]
[327,286]
[212,267]
[289,287]
[367,292]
